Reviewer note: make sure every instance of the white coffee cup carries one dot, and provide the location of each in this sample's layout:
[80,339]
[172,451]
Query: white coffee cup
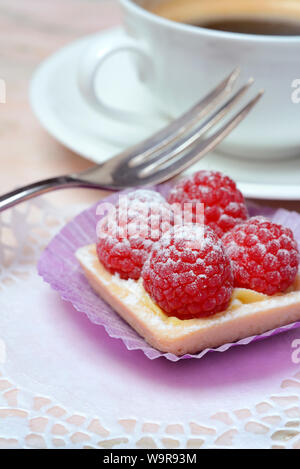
[180,63]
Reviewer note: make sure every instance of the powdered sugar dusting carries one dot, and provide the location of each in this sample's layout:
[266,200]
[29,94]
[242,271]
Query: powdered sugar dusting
[264,255]
[145,196]
[127,233]
[188,273]
[224,205]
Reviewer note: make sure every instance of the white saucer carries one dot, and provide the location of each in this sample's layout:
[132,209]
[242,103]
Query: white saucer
[60,108]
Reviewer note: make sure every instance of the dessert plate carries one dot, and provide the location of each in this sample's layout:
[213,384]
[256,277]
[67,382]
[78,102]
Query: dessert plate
[65,384]
[57,103]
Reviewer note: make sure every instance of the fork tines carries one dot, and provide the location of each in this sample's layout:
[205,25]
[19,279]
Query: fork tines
[184,141]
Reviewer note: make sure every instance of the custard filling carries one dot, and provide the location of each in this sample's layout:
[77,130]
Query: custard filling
[132,291]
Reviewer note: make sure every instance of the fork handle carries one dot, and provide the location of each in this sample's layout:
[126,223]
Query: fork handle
[37,188]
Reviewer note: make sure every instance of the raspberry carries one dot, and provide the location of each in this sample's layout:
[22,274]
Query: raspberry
[126,235]
[145,196]
[188,273]
[264,255]
[224,204]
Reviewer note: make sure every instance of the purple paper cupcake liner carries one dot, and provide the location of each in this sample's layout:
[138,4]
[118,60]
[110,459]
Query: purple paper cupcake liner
[59,267]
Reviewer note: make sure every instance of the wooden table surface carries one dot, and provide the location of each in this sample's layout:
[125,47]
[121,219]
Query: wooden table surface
[31,30]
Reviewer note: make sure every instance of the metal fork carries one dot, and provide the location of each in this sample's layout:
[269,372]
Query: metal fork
[158,158]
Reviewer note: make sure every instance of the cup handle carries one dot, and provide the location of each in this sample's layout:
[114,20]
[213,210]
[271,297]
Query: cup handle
[92,60]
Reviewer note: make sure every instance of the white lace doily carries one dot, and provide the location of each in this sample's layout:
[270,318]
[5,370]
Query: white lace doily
[65,383]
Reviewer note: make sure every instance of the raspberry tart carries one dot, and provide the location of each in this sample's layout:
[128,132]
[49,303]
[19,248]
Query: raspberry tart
[185,288]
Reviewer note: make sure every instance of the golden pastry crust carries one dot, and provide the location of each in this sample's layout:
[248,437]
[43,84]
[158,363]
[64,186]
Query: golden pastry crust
[249,313]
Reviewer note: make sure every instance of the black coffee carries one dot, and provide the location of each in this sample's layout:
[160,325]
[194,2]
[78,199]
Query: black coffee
[263,17]
[269,27]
